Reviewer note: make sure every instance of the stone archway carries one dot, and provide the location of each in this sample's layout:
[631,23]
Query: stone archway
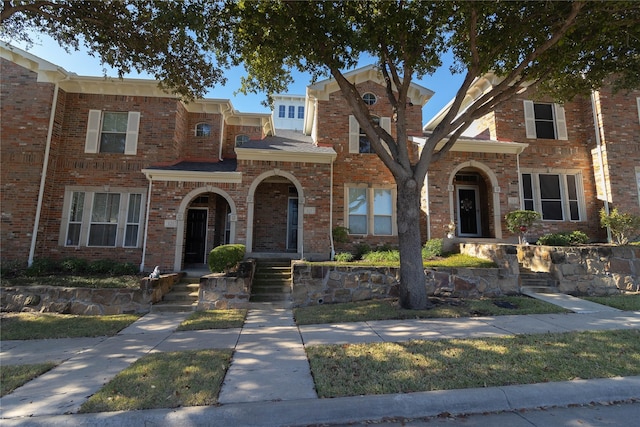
[276,175]
[491,200]
[181,219]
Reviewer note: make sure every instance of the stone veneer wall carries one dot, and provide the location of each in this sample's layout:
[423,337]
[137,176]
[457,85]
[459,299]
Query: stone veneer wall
[221,292]
[580,270]
[320,284]
[88,301]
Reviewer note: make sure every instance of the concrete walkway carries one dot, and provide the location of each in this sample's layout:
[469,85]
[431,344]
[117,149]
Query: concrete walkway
[269,382]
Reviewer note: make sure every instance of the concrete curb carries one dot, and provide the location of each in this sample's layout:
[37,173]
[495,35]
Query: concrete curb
[360,408]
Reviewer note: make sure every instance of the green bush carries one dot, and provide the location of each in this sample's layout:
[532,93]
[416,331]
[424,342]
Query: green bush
[74,265]
[102,266]
[360,250]
[432,248]
[382,256]
[340,234]
[42,267]
[11,269]
[563,239]
[623,226]
[225,257]
[344,257]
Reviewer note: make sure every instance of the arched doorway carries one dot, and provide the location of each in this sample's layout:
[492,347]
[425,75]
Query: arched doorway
[207,218]
[474,201]
[275,213]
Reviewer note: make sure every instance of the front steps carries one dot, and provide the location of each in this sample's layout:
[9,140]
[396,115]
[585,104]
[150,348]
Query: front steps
[272,280]
[537,282]
[183,297]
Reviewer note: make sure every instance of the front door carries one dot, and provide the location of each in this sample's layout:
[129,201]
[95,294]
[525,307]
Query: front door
[292,225]
[196,236]
[468,211]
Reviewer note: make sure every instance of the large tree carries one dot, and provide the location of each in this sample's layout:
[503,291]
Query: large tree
[562,48]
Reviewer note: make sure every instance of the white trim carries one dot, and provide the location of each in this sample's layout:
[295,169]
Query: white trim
[354,135]
[638,102]
[91,142]
[284,156]
[560,122]
[193,176]
[529,119]
[477,145]
[131,141]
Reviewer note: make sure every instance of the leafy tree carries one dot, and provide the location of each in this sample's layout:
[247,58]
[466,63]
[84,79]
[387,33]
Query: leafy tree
[563,48]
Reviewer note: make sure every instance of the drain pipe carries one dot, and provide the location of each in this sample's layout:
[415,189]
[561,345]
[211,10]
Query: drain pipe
[595,98]
[43,176]
[146,225]
[428,207]
[333,249]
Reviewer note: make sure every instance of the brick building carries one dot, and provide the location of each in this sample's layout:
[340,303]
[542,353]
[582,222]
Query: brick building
[98,168]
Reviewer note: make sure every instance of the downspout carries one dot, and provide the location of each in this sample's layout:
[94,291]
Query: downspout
[43,176]
[598,130]
[146,225]
[221,137]
[333,249]
[426,190]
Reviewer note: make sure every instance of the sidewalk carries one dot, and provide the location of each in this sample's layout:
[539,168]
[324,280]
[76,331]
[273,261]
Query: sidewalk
[269,382]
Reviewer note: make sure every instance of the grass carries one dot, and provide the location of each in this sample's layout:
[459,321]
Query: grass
[75,281]
[213,319]
[31,326]
[388,309]
[628,302]
[13,376]
[164,380]
[448,261]
[366,369]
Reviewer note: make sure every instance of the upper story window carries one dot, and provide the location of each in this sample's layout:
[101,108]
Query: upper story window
[241,139]
[369,98]
[301,112]
[112,132]
[545,120]
[292,112]
[281,111]
[358,140]
[203,129]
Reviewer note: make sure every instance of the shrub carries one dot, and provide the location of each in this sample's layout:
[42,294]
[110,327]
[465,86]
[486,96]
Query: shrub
[225,257]
[102,266]
[344,257]
[623,226]
[340,234]
[517,220]
[360,250]
[74,265]
[563,239]
[432,248]
[11,269]
[382,256]
[42,267]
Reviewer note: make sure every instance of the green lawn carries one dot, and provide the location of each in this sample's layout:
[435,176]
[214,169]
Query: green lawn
[31,326]
[626,302]
[14,376]
[380,368]
[164,380]
[388,309]
[213,319]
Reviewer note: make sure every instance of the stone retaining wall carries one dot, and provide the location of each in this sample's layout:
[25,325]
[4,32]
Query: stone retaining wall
[579,270]
[220,291]
[87,301]
[320,284]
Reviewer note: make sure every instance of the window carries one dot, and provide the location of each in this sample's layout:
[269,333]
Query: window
[203,129]
[301,112]
[369,98]
[97,218]
[545,121]
[358,141]
[241,139]
[112,132]
[292,112]
[555,196]
[281,111]
[370,211]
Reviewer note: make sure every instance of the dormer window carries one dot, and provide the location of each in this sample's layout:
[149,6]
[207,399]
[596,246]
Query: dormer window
[203,129]
[241,139]
[369,98]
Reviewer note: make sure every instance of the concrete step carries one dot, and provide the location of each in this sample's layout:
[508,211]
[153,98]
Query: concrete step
[173,307]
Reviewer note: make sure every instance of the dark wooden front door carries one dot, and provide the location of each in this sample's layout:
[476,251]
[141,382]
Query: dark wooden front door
[196,236]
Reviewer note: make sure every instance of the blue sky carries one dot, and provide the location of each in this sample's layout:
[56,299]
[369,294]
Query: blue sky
[443,83]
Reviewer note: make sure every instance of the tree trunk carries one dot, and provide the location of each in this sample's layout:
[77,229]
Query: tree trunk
[413,291]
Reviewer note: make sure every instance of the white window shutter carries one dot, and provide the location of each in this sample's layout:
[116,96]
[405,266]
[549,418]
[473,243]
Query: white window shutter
[385,123]
[91,142]
[529,119]
[133,125]
[561,122]
[354,135]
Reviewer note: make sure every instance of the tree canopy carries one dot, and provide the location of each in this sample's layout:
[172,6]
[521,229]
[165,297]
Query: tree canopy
[562,48]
